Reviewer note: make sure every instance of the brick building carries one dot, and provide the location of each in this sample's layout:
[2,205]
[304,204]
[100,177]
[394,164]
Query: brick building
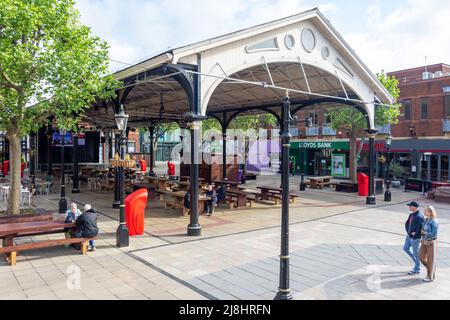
[421,139]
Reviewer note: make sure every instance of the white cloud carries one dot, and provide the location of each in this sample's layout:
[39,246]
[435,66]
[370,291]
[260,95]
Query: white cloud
[138,29]
[405,36]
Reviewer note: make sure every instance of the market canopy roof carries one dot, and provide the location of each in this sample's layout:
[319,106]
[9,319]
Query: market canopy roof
[248,70]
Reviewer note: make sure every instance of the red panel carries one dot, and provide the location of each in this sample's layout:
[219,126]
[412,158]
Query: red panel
[363,184]
[135,205]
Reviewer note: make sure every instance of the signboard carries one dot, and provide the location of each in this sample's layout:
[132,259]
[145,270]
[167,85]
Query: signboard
[338,165]
[324,145]
[57,139]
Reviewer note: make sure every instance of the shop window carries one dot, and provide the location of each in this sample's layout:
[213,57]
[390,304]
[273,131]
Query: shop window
[407,109]
[424,108]
[131,147]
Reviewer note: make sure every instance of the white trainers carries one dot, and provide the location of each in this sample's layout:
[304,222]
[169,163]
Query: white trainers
[427,280]
[93,248]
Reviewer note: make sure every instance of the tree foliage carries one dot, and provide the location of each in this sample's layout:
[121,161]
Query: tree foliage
[354,123]
[50,65]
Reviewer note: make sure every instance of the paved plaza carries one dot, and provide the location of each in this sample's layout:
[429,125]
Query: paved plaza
[340,249]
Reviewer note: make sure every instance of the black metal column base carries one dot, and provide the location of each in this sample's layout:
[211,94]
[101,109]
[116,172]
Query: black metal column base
[302,185]
[194,231]
[284,296]
[75,191]
[388,196]
[122,236]
[371,200]
[116,205]
[62,205]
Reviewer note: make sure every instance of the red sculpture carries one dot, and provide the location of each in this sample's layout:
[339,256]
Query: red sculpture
[135,205]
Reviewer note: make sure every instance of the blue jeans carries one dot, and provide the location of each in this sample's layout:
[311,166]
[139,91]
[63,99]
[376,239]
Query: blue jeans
[80,235]
[414,255]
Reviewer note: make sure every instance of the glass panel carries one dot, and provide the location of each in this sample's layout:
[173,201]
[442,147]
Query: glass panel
[407,110]
[270,44]
[308,40]
[424,108]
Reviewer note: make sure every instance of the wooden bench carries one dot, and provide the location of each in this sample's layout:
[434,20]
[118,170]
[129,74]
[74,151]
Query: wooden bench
[11,250]
[347,187]
[326,184]
[106,187]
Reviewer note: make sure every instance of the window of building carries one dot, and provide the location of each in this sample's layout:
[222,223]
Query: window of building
[131,146]
[314,118]
[327,119]
[447,106]
[407,109]
[424,108]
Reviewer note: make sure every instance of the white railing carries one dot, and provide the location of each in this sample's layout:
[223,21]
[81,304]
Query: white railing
[328,131]
[384,129]
[312,131]
[446,125]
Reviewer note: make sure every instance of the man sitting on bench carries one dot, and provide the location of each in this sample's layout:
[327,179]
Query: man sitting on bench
[87,226]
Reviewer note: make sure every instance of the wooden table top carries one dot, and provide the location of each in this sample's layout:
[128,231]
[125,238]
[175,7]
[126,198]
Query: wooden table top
[231,183]
[11,229]
[320,178]
[270,188]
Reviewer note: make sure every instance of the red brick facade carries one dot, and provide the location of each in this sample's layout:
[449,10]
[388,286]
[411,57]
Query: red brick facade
[414,89]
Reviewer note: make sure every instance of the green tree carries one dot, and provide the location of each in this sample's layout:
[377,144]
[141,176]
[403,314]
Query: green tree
[355,124]
[50,65]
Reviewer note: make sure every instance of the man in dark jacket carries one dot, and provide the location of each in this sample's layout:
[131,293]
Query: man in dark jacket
[413,227]
[87,226]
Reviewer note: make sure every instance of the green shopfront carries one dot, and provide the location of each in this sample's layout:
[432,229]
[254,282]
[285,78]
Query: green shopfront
[320,158]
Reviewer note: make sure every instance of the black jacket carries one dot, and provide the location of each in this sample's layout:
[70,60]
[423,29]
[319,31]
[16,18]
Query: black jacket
[87,224]
[416,225]
[187,200]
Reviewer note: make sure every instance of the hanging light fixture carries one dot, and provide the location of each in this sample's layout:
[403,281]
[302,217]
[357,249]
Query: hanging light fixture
[121,120]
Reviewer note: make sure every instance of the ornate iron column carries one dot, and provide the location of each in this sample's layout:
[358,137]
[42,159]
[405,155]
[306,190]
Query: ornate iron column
[371,199]
[194,228]
[388,193]
[49,151]
[76,169]
[152,151]
[284,290]
[302,183]
[63,201]
[122,235]
[224,155]
[116,203]
[33,160]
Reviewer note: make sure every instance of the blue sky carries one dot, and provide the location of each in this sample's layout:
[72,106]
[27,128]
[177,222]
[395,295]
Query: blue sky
[389,35]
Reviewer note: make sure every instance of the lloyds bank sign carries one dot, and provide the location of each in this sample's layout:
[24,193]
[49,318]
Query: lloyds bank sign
[333,145]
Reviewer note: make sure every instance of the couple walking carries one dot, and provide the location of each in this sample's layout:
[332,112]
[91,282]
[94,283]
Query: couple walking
[421,239]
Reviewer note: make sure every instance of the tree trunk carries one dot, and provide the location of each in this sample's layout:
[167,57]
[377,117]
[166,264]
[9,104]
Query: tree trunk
[15,155]
[353,158]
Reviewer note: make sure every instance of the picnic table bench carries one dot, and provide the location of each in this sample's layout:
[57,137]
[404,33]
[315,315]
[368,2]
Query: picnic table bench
[320,182]
[11,231]
[238,198]
[175,200]
[275,194]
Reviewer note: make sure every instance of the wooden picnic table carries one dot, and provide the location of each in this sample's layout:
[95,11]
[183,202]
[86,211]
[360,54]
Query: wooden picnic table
[275,193]
[320,182]
[175,199]
[241,198]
